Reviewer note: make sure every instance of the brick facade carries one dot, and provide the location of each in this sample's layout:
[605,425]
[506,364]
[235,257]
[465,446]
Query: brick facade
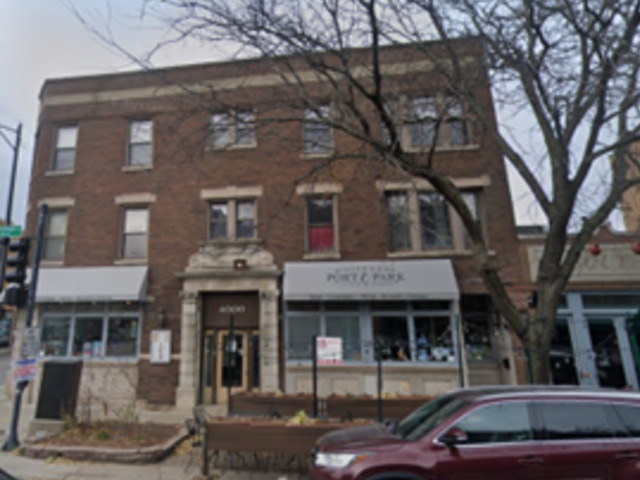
[184,165]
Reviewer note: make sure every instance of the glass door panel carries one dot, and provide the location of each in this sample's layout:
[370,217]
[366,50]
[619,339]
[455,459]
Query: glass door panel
[606,352]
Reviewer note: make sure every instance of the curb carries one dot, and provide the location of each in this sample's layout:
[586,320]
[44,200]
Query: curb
[151,454]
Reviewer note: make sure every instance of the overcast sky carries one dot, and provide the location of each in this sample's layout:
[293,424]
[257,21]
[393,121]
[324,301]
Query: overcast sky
[42,39]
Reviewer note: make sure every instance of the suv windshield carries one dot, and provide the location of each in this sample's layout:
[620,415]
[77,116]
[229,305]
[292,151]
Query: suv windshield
[427,417]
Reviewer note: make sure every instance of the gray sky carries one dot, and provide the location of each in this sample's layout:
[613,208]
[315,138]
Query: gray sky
[42,39]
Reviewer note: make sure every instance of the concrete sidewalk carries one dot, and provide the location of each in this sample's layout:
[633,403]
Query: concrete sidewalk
[182,466]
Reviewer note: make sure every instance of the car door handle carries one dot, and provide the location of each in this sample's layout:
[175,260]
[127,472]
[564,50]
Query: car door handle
[531,460]
[627,456]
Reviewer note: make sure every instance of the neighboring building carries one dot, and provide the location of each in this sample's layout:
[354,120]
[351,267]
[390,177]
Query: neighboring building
[170,214]
[597,336]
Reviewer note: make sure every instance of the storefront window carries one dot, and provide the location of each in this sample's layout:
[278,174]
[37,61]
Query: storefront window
[87,337]
[55,336]
[561,359]
[300,335]
[391,335]
[122,337]
[477,337]
[433,339]
[347,328]
[92,330]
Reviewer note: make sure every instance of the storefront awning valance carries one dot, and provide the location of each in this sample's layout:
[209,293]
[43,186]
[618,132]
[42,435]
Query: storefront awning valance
[389,280]
[90,284]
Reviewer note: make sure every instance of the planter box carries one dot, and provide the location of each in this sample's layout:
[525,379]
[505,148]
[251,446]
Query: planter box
[264,406]
[367,407]
[266,437]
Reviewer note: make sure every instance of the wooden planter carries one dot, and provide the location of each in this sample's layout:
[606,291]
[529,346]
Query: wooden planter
[367,407]
[264,406]
[266,437]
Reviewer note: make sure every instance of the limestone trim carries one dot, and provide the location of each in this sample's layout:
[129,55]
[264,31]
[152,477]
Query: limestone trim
[421,184]
[318,188]
[135,198]
[230,192]
[57,202]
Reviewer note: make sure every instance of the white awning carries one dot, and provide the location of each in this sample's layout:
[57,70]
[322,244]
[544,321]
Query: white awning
[90,284]
[389,280]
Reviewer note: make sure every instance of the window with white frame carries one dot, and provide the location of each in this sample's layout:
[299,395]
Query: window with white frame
[321,231]
[55,233]
[233,219]
[233,129]
[64,156]
[422,121]
[135,233]
[424,221]
[317,131]
[140,143]
[94,330]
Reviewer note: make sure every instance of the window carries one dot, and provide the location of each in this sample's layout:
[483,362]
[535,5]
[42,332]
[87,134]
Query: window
[90,330]
[434,341]
[422,121]
[347,328]
[65,152]
[434,221]
[427,121]
[499,423]
[577,420]
[630,417]
[140,140]
[300,332]
[423,221]
[134,241]
[54,236]
[317,132]
[399,233]
[233,129]
[232,219]
[320,227]
[391,335]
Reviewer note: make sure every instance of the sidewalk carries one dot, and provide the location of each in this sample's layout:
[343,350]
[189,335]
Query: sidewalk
[176,467]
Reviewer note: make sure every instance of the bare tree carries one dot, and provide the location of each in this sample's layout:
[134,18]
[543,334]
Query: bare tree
[569,66]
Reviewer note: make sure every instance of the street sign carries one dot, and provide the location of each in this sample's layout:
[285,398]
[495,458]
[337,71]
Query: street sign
[10,231]
[25,369]
[232,309]
[329,350]
[30,346]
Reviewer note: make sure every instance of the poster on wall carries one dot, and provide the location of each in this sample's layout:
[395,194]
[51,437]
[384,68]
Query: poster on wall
[160,346]
[329,350]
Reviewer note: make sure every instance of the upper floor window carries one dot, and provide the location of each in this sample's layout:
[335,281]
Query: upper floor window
[232,219]
[321,232]
[55,233]
[140,140]
[233,129]
[65,152]
[428,121]
[135,232]
[422,221]
[317,132]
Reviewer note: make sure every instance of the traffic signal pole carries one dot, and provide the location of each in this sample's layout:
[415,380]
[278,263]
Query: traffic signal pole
[4,242]
[12,442]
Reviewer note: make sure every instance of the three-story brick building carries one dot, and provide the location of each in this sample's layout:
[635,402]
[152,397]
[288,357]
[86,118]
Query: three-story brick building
[177,194]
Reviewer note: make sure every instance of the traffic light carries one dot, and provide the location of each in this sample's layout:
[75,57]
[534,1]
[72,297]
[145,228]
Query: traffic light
[18,261]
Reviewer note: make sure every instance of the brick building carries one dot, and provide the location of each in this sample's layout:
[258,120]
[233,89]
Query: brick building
[182,197]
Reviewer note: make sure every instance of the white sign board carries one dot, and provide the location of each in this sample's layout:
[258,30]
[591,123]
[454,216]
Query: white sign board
[329,350]
[160,346]
[30,346]
[25,369]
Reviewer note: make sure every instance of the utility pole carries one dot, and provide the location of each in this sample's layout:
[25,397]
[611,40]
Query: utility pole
[4,242]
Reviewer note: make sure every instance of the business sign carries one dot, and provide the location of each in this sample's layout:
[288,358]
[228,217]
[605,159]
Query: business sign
[160,346]
[25,369]
[386,280]
[329,350]
[30,346]
[10,231]
[232,309]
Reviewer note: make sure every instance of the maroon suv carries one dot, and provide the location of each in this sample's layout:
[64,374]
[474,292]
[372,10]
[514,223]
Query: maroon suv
[497,433]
